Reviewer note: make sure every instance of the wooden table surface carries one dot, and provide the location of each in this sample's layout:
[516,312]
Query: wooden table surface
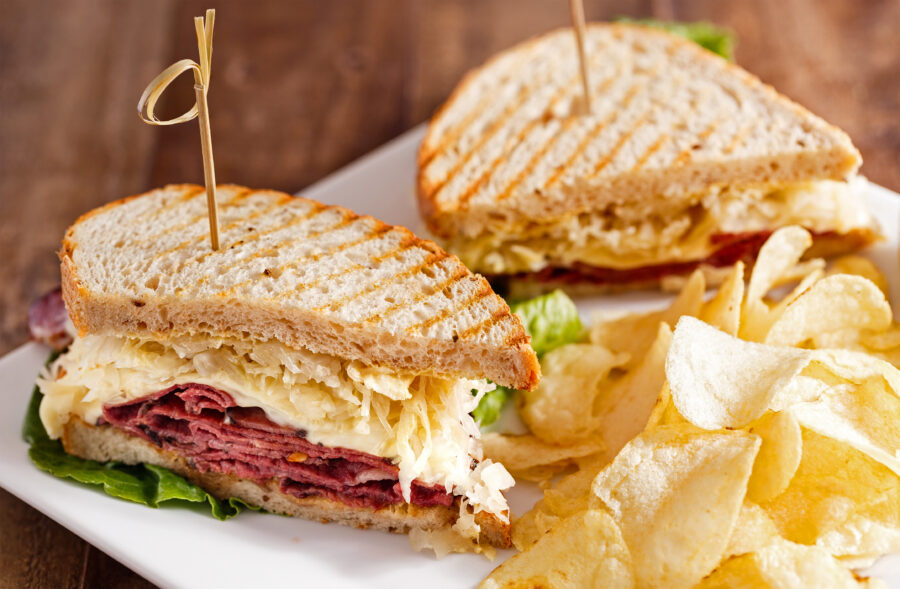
[300,89]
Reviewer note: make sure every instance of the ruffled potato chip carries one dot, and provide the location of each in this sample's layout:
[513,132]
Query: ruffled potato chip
[623,408]
[778,457]
[863,416]
[724,310]
[676,494]
[752,531]
[834,304]
[583,550]
[860,266]
[782,565]
[570,495]
[558,410]
[777,258]
[530,458]
[633,334]
[839,499]
[664,411]
[721,381]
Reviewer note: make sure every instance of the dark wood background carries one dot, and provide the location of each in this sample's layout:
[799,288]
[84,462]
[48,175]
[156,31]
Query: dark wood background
[298,90]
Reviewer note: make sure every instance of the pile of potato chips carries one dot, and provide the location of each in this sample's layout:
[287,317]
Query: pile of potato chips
[730,442]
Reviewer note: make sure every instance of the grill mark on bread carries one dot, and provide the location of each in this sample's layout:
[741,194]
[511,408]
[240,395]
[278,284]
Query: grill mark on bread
[451,135]
[174,202]
[592,134]
[686,152]
[653,148]
[538,155]
[398,249]
[495,126]
[461,272]
[623,139]
[563,89]
[316,209]
[432,258]
[523,132]
[182,198]
[345,220]
[229,227]
[589,137]
[198,238]
[495,318]
[516,338]
[236,197]
[738,137]
[482,292]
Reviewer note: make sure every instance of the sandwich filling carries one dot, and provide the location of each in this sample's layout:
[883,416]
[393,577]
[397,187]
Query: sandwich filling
[370,436]
[208,428]
[623,240]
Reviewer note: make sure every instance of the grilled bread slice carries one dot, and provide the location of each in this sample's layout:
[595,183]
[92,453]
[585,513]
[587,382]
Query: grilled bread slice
[293,270]
[511,146]
[686,161]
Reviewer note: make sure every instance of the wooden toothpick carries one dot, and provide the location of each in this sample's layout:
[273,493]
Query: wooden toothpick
[200,110]
[576,8]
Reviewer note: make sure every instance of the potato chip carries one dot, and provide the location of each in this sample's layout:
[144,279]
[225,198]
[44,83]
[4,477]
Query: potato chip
[782,565]
[882,341]
[778,457]
[676,494]
[633,334]
[583,550]
[777,257]
[832,304]
[558,410]
[532,526]
[776,310]
[570,495]
[664,411]
[839,499]
[752,531]
[864,416]
[528,457]
[781,252]
[860,266]
[724,310]
[720,381]
[623,407]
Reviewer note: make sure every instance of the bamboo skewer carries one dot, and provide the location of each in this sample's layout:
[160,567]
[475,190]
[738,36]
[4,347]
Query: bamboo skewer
[576,8]
[200,109]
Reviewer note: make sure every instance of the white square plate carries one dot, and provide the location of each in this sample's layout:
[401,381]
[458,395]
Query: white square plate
[185,547]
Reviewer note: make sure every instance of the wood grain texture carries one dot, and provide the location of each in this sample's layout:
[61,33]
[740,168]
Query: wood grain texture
[299,89]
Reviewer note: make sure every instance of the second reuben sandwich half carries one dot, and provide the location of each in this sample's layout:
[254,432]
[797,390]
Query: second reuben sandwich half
[321,364]
[685,161]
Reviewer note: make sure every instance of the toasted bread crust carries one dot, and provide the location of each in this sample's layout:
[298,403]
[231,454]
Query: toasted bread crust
[105,442]
[833,157]
[476,337]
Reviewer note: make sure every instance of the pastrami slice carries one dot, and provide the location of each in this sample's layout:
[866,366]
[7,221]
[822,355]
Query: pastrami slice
[206,426]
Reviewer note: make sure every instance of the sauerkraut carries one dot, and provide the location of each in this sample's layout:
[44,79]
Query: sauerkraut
[617,241]
[420,422]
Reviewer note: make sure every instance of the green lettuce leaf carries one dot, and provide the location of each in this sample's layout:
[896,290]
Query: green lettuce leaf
[491,405]
[144,483]
[551,320]
[716,39]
